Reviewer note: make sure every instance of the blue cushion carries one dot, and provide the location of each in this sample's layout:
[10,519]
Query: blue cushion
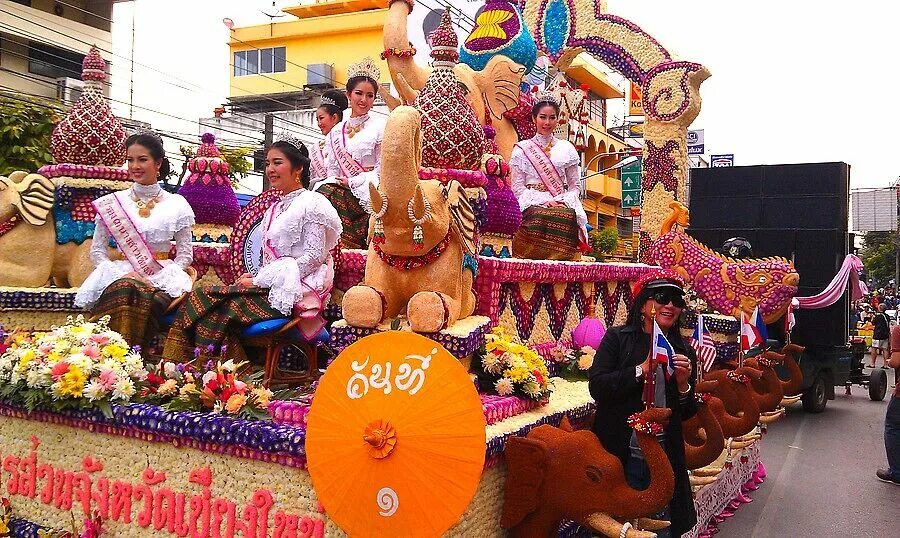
[263,328]
[168,320]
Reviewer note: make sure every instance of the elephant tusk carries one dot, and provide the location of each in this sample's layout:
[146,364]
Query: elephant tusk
[707,471]
[790,400]
[703,480]
[740,445]
[647,524]
[611,528]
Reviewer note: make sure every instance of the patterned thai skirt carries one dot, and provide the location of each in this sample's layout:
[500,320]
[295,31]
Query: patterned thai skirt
[134,309]
[214,316]
[354,218]
[547,233]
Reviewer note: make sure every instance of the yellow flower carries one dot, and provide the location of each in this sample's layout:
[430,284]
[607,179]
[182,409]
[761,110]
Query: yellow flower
[187,390]
[72,382]
[168,387]
[115,351]
[27,357]
[235,403]
[263,397]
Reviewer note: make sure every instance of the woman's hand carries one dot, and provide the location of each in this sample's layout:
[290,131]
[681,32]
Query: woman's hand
[343,181]
[245,281]
[682,367]
[645,367]
[555,204]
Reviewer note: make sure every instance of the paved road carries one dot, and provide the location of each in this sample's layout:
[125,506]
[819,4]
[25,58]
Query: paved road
[821,475]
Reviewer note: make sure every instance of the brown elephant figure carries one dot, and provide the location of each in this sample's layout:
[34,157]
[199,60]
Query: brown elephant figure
[492,92]
[557,474]
[794,382]
[433,294]
[768,391]
[733,405]
[29,254]
[703,437]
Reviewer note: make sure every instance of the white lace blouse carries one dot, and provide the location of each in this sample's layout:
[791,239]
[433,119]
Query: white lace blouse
[567,163]
[171,218]
[364,147]
[302,230]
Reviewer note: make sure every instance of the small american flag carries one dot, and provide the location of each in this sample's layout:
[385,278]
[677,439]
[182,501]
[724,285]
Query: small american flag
[704,345]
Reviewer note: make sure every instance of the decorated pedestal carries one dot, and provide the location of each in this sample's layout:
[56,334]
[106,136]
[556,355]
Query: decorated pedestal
[724,330]
[147,471]
[35,308]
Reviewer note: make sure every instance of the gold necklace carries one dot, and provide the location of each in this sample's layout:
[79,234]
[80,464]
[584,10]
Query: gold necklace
[351,130]
[549,146]
[144,208]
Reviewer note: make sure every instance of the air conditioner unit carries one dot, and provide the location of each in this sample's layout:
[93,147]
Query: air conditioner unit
[68,89]
[320,76]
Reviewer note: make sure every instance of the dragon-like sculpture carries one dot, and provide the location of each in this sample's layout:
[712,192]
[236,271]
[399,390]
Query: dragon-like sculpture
[729,286]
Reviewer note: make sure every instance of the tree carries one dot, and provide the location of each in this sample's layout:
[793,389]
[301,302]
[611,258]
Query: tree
[604,241]
[25,129]
[878,255]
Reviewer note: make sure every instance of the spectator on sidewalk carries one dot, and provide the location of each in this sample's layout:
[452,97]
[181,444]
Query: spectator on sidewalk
[880,336]
[892,420]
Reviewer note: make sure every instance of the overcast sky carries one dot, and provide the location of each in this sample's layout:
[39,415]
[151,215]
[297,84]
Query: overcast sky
[792,80]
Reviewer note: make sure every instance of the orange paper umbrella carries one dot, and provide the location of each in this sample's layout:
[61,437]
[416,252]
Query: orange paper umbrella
[395,442]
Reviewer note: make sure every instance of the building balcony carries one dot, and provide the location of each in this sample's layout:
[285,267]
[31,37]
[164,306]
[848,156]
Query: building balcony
[607,188]
[39,25]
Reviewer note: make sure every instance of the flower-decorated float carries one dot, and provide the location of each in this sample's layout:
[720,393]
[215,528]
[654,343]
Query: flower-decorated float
[399,423]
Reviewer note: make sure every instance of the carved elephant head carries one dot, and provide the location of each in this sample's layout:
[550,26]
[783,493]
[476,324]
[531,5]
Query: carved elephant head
[492,91]
[28,195]
[556,474]
[739,412]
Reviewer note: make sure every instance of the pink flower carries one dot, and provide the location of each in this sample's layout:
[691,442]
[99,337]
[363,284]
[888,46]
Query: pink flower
[240,386]
[91,351]
[108,379]
[100,339]
[45,349]
[59,369]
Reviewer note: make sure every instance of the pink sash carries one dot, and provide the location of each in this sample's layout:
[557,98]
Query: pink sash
[127,237]
[318,163]
[544,167]
[349,166]
[312,303]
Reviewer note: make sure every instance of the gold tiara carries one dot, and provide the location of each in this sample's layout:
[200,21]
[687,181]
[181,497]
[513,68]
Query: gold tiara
[365,68]
[546,97]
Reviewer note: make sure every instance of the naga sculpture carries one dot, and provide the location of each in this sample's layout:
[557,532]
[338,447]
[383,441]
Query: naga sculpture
[417,262]
[729,286]
[557,474]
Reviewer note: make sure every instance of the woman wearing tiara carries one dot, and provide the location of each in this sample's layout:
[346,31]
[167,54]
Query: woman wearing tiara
[330,113]
[299,233]
[353,155]
[135,285]
[546,179]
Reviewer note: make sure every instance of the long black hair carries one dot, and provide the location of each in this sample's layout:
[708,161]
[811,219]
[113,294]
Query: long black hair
[536,109]
[357,80]
[298,157]
[154,146]
[339,99]
[635,318]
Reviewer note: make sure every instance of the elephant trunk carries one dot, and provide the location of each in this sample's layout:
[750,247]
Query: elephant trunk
[734,407]
[706,453]
[406,74]
[792,386]
[401,155]
[637,503]
[767,391]
[608,526]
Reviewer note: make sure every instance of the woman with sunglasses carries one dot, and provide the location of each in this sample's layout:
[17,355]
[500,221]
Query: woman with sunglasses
[621,368]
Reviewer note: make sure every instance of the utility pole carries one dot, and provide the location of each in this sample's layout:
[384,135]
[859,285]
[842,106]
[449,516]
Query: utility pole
[268,135]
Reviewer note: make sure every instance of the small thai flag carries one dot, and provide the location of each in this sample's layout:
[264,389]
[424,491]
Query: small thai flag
[704,345]
[753,331]
[662,350]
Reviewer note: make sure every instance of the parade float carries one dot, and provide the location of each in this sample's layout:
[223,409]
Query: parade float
[464,429]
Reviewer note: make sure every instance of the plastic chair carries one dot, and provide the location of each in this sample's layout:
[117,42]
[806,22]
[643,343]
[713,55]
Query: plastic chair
[273,336]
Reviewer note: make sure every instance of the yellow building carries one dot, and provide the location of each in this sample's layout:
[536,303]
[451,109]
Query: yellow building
[43,42]
[288,64]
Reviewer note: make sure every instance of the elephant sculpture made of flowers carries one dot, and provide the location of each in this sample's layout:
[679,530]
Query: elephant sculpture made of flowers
[420,259]
[557,474]
[29,254]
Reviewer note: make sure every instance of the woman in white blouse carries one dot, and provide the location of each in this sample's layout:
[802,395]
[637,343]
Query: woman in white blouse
[546,175]
[353,155]
[137,281]
[295,279]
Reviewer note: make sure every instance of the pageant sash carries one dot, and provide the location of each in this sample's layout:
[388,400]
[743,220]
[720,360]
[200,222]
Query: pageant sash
[349,166]
[127,237]
[544,167]
[318,163]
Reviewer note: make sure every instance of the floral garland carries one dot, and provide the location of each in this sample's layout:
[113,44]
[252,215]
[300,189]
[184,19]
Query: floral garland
[84,171]
[639,424]
[738,378]
[408,263]
[398,53]
[8,225]
[80,364]
[468,178]
[509,367]
[703,397]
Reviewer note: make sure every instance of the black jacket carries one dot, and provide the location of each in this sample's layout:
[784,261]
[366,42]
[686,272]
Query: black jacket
[618,394]
[882,327]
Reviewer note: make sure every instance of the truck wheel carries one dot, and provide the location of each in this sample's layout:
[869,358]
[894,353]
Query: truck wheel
[877,384]
[815,397]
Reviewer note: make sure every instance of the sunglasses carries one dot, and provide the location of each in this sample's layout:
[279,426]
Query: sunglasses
[665,297]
